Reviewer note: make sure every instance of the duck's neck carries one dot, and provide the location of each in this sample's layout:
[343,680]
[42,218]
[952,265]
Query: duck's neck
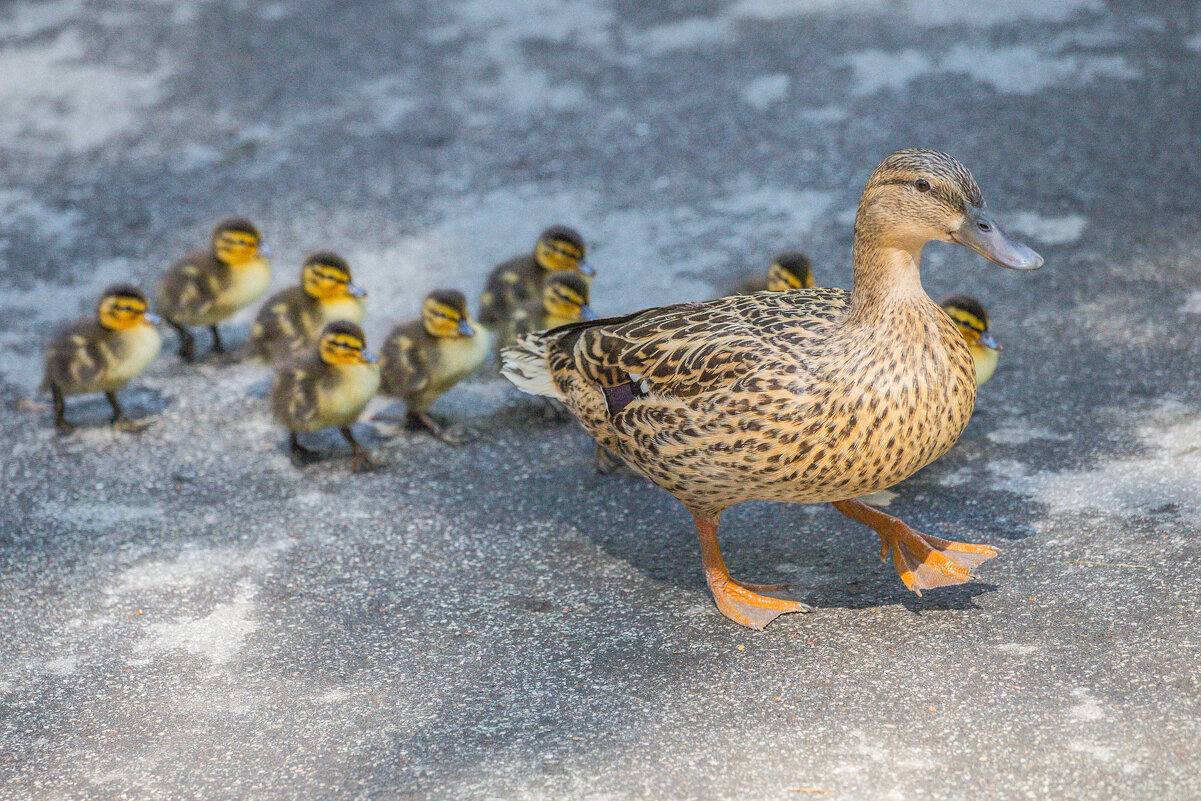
[887,269]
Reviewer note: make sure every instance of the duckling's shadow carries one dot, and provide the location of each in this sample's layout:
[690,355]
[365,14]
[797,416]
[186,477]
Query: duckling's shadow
[140,404]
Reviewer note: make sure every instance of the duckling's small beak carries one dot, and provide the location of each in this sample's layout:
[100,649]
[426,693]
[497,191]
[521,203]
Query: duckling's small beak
[152,318]
[355,291]
[585,268]
[368,356]
[586,313]
[466,329]
[266,251]
[989,341]
[981,233]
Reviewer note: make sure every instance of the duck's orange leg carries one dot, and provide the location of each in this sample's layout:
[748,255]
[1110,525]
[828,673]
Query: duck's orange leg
[922,561]
[740,601]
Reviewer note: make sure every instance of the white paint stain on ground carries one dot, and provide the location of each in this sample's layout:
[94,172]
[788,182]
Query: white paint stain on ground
[1193,42]
[62,666]
[1048,230]
[1017,649]
[67,100]
[194,566]
[880,499]
[1019,69]
[766,90]
[1019,432]
[1192,304]
[217,636]
[1087,707]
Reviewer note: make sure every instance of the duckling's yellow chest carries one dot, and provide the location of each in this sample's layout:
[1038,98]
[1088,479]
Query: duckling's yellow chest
[986,362]
[246,284]
[458,357]
[132,353]
[345,308]
[345,392]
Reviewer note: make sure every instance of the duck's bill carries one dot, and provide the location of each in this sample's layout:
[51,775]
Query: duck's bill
[587,314]
[355,291]
[981,233]
[989,341]
[368,357]
[585,268]
[466,329]
[152,318]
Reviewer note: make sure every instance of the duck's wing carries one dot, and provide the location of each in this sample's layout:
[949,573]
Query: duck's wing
[77,357]
[689,349]
[404,370]
[278,327]
[191,286]
[294,396]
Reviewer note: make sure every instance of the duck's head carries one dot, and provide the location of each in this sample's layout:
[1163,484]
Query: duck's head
[237,242]
[565,296]
[343,343]
[123,307]
[444,314]
[971,319]
[916,196]
[561,249]
[326,276]
[790,270]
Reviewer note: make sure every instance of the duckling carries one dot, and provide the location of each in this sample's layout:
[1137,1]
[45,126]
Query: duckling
[102,354]
[292,318]
[424,358]
[326,386]
[972,321]
[208,286]
[810,396]
[520,279]
[564,300]
[791,270]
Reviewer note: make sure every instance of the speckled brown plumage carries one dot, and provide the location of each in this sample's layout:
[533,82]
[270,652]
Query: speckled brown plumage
[809,395]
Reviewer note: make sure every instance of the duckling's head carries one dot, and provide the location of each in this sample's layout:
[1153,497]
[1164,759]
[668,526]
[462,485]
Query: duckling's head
[444,314]
[236,241]
[565,296]
[971,319]
[326,276]
[916,196]
[561,248]
[343,343]
[123,307]
[790,271]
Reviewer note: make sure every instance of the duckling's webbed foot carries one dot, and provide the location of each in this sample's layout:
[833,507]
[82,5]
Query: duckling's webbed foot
[363,461]
[740,601]
[301,456]
[923,561]
[424,421]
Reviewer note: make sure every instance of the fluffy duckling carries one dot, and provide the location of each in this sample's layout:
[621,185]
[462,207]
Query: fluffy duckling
[424,358]
[103,353]
[564,300]
[291,319]
[809,396]
[791,270]
[972,321]
[329,385]
[520,279]
[208,286]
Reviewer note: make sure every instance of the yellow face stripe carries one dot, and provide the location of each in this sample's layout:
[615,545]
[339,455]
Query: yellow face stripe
[967,319]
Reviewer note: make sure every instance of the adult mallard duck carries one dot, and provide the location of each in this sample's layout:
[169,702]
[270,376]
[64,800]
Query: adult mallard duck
[292,318]
[972,322]
[520,279]
[791,270]
[102,353]
[422,359]
[807,396]
[207,286]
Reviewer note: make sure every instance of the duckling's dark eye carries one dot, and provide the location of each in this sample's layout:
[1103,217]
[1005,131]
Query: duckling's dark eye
[921,185]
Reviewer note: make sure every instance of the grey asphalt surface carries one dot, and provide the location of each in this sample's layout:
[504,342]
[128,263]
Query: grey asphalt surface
[185,615]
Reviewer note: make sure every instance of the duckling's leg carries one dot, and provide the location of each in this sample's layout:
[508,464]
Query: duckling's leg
[300,454]
[187,343]
[120,421]
[738,600]
[607,462]
[424,421]
[922,561]
[363,460]
[218,345]
[60,410]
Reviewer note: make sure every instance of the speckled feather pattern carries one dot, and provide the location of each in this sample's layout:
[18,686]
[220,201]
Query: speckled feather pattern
[87,357]
[418,367]
[775,396]
[308,394]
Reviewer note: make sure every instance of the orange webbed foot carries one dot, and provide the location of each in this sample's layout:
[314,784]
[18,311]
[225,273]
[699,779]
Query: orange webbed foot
[741,603]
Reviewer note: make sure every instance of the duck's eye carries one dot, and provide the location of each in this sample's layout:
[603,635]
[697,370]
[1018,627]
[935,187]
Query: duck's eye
[921,185]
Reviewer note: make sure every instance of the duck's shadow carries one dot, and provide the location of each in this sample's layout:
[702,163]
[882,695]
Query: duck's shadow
[141,404]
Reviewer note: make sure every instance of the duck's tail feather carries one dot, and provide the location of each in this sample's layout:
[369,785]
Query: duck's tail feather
[526,365]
